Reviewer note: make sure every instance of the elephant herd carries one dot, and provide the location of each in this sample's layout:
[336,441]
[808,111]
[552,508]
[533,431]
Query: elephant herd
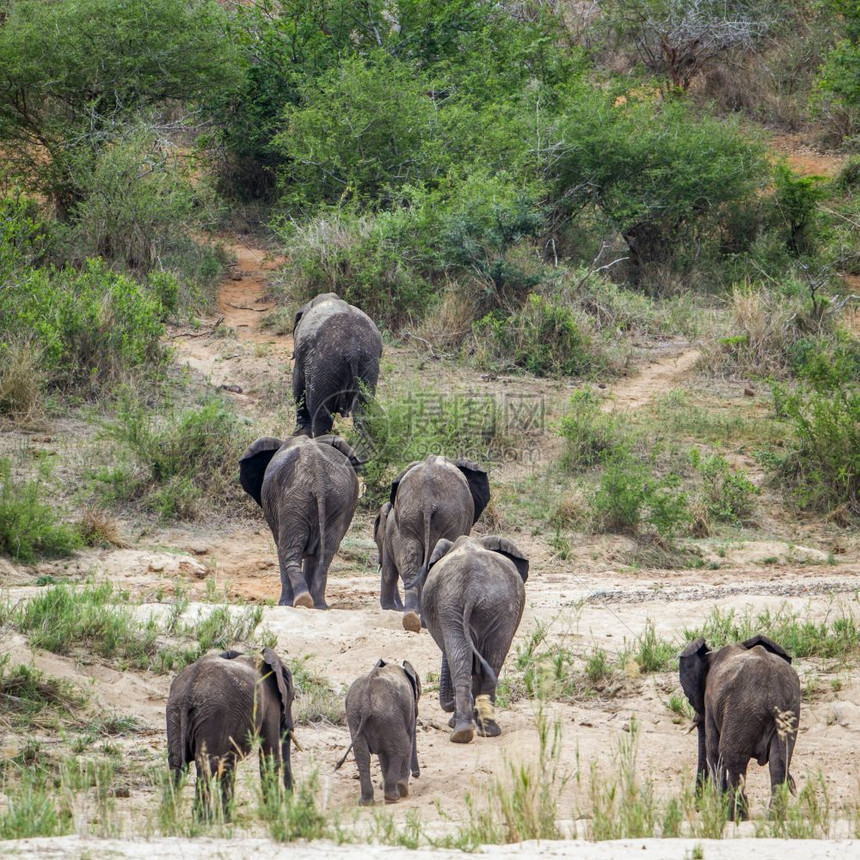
[468,592]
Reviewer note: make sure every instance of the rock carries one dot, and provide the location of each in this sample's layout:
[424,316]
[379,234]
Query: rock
[749,391]
[198,548]
[846,714]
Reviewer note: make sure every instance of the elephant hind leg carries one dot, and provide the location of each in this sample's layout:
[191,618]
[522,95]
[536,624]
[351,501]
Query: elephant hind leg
[392,771]
[446,687]
[361,751]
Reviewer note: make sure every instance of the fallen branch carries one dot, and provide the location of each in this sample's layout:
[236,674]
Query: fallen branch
[247,308]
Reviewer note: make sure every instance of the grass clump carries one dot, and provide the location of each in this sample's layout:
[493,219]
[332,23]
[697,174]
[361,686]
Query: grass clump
[21,382]
[316,700]
[837,636]
[29,527]
[32,809]
[292,815]
[727,496]
[591,435]
[27,694]
[183,458]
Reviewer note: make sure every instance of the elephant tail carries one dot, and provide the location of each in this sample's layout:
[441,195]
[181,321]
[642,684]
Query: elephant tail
[467,632]
[425,562]
[321,528]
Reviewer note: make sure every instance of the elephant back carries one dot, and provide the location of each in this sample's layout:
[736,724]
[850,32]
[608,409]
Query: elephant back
[341,323]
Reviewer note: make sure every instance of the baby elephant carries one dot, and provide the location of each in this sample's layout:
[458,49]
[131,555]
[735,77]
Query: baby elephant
[472,603]
[382,712]
[747,703]
[217,706]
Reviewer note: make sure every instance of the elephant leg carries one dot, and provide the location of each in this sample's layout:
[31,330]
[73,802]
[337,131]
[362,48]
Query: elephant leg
[779,760]
[389,594]
[446,688]
[294,588]
[227,781]
[391,768]
[319,576]
[464,728]
[403,776]
[736,773]
[202,789]
[416,770]
[310,571]
[361,751]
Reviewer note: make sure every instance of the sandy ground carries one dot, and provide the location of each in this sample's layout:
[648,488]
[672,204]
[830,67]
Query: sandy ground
[588,600]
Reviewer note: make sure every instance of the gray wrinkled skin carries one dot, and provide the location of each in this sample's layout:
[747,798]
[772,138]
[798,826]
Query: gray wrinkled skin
[337,348]
[747,703]
[472,603]
[382,713]
[214,709]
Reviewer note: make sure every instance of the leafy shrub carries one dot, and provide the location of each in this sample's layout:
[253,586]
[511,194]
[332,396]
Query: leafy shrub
[728,496]
[183,458]
[630,494]
[796,199]
[21,381]
[375,262]
[822,464]
[88,327]
[29,526]
[591,435]
[544,338]
[664,179]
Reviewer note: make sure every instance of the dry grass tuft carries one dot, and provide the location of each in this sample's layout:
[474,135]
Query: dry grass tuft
[21,381]
[98,528]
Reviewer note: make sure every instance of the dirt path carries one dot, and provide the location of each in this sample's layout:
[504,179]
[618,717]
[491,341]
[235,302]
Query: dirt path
[237,351]
[657,378]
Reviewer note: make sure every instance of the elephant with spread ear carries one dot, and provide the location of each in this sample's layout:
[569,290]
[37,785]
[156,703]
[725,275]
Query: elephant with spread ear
[336,350]
[430,499]
[382,714]
[308,491]
[472,604]
[747,703]
[217,707]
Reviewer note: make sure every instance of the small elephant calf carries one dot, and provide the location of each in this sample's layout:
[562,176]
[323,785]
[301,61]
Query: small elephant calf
[747,703]
[217,706]
[382,713]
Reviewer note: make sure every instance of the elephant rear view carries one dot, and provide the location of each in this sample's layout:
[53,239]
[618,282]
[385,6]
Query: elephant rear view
[747,703]
[472,602]
[430,499]
[308,491]
[382,713]
[216,707]
[336,348]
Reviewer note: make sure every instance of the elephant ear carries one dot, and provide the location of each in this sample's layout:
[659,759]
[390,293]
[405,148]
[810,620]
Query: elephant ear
[340,444]
[395,484]
[253,465]
[479,484]
[443,545]
[412,677]
[379,528]
[768,644]
[693,670]
[284,679]
[504,547]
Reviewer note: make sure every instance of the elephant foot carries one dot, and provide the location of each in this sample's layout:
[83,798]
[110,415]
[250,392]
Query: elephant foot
[321,605]
[403,788]
[464,732]
[411,622]
[304,600]
[392,799]
[452,722]
[488,728]
[365,801]
[485,717]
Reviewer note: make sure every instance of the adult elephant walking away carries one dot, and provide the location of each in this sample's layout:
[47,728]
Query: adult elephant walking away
[747,703]
[337,348]
[308,491]
[217,707]
[431,499]
[473,601]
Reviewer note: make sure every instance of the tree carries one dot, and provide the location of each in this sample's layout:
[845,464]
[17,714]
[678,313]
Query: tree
[73,71]
[678,38]
[839,77]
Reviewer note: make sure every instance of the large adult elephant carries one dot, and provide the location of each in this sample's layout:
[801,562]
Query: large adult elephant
[308,491]
[217,707]
[747,703]
[337,348]
[430,499]
[472,603]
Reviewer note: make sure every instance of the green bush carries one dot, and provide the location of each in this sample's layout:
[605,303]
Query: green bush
[544,338]
[76,71]
[796,199]
[29,526]
[376,262]
[821,467]
[89,327]
[630,495]
[728,496]
[183,458]
[591,435]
